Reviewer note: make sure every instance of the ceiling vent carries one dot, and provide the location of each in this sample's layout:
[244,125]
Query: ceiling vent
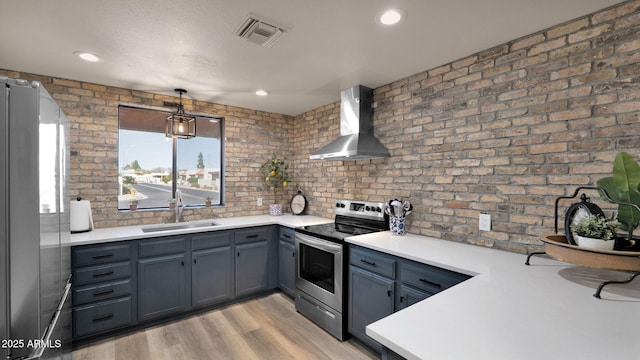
[259,31]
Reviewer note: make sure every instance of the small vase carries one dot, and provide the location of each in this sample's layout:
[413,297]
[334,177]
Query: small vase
[275,209]
[133,207]
[591,243]
[396,225]
[207,203]
[172,206]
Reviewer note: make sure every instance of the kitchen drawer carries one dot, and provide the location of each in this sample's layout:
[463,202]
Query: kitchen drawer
[103,291]
[429,278]
[162,246]
[211,240]
[108,272]
[287,234]
[107,315]
[100,254]
[373,261]
[253,234]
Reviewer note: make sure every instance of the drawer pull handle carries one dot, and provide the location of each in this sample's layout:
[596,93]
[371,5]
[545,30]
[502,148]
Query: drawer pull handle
[103,318]
[371,263]
[103,293]
[108,273]
[401,299]
[103,256]
[286,236]
[252,236]
[389,293]
[430,282]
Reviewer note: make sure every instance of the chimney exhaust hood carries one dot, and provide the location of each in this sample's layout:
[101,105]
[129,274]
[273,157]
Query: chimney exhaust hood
[356,141]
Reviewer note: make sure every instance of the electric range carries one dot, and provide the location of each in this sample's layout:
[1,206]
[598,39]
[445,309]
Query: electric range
[321,263]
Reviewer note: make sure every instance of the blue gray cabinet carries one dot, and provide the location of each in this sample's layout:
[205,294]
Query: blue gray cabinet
[252,260]
[371,297]
[139,282]
[103,296]
[211,268]
[380,284]
[162,285]
[287,261]
[371,291]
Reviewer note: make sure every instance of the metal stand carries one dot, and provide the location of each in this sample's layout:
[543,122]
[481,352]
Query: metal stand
[604,193]
[630,279]
[533,253]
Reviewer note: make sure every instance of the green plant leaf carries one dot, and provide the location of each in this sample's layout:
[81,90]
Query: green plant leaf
[610,187]
[626,172]
[628,216]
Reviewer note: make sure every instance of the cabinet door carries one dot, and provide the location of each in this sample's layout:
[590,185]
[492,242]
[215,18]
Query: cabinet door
[287,268]
[102,316]
[211,276]
[370,299]
[410,296]
[251,267]
[161,286]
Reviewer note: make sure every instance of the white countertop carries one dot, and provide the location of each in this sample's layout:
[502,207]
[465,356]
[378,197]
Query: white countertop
[509,310]
[135,232]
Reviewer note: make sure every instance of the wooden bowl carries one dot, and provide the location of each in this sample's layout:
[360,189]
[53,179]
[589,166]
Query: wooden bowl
[557,247]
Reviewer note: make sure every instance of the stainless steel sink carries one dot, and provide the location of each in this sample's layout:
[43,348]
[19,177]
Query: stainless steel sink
[178,226]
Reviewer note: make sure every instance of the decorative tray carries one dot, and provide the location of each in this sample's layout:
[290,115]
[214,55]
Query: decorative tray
[557,247]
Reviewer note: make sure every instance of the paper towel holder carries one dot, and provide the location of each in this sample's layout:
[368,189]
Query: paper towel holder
[82,220]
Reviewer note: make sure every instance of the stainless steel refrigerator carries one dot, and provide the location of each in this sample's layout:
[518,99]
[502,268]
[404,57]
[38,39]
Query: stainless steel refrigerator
[35,316]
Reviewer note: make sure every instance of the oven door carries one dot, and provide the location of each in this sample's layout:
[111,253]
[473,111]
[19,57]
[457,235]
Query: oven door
[319,268]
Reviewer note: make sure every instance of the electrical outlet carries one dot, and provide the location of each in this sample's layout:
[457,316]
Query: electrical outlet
[484,222]
[259,201]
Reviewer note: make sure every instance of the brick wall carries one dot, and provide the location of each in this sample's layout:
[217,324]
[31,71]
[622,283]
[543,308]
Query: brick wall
[250,138]
[504,131]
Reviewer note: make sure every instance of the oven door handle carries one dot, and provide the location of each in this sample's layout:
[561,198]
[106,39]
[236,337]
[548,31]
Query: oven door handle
[320,244]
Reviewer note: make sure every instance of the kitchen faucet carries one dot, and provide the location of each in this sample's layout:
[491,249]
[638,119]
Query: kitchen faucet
[179,205]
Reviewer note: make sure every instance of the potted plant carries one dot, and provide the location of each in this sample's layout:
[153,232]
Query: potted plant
[133,204]
[275,174]
[172,204]
[595,232]
[207,201]
[624,186]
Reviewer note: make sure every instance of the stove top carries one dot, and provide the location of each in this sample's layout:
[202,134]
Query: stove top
[332,232]
[352,218]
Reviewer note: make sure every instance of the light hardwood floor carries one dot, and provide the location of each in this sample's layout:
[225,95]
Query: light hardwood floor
[263,328]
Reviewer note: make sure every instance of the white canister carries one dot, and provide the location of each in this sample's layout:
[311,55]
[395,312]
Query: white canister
[81,218]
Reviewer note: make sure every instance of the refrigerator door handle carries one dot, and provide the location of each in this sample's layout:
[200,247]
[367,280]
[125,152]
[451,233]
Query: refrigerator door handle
[46,336]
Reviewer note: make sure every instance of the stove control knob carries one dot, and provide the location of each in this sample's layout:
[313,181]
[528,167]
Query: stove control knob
[379,209]
[367,208]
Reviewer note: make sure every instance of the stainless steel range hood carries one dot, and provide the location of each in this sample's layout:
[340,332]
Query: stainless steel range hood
[356,141]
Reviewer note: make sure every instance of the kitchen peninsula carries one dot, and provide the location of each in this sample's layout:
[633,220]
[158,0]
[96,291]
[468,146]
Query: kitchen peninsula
[508,310]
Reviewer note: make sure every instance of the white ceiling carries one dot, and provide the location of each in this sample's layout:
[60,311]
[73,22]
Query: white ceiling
[158,45]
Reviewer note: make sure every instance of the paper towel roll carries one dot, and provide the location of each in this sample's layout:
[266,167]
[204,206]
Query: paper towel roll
[81,218]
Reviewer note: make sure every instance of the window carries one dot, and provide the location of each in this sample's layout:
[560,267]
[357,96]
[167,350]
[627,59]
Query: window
[146,170]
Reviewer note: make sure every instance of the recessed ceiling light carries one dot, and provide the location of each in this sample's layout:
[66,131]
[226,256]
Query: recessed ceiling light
[391,17]
[87,56]
[262,93]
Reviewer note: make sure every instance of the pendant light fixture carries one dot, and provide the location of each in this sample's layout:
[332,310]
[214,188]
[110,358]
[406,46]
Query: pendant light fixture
[179,124]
